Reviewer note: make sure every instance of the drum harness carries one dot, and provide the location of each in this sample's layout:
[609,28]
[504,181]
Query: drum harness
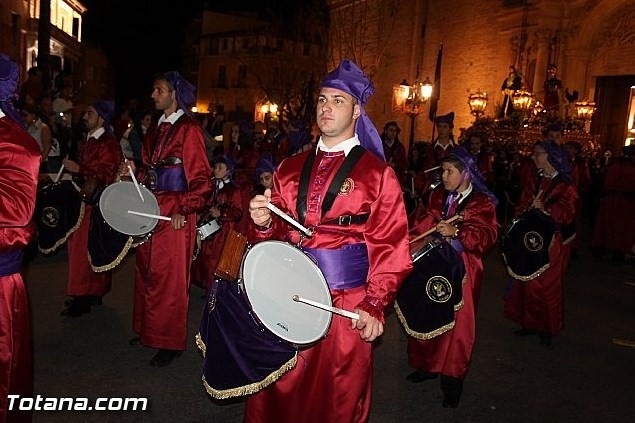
[342,173]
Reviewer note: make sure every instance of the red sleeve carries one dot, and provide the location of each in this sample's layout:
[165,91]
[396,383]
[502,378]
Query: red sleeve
[561,203]
[478,229]
[197,170]
[101,159]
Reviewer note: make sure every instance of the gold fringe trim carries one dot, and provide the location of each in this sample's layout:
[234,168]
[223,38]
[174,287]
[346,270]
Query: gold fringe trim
[200,344]
[113,263]
[459,306]
[69,233]
[568,240]
[252,388]
[533,275]
[419,335]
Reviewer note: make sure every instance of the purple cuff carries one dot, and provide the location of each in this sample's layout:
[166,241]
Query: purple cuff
[10,262]
[456,244]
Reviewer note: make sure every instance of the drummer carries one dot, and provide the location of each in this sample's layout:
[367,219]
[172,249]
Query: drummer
[19,160]
[176,169]
[364,259]
[537,304]
[99,160]
[464,192]
[225,208]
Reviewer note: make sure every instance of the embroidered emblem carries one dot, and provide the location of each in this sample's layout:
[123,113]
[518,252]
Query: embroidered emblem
[347,186]
[152,179]
[50,217]
[439,289]
[533,241]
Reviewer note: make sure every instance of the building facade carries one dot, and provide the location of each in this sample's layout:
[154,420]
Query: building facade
[590,42]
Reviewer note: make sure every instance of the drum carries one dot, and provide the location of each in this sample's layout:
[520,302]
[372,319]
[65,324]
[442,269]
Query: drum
[58,213]
[433,292]
[207,228]
[118,198]
[254,327]
[526,244]
[106,246]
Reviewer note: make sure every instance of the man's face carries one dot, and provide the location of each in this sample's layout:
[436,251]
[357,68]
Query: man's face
[451,177]
[475,144]
[540,157]
[220,170]
[92,119]
[391,132]
[336,114]
[443,130]
[555,136]
[266,179]
[164,97]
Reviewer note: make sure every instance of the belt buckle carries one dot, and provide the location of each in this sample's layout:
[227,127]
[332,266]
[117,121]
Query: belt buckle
[152,178]
[345,220]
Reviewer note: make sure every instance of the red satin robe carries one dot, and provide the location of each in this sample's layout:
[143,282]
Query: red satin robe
[332,382]
[451,352]
[228,201]
[615,226]
[162,274]
[538,304]
[19,163]
[97,158]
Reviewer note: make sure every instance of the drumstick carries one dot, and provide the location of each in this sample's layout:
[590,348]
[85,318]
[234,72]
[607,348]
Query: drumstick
[59,173]
[308,232]
[431,169]
[538,195]
[428,232]
[332,309]
[136,184]
[154,216]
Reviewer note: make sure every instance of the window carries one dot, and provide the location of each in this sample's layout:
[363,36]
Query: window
[222,76]
[242,76]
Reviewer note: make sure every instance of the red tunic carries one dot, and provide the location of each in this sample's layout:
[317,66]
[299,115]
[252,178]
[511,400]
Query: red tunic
[333,379]
[451,352]
[19,163]
[615,226]
[538,304]
[228,201]
[97,158]
[162,275]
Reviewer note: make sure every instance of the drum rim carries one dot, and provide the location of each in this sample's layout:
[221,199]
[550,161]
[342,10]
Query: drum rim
[147,195]
[245,290]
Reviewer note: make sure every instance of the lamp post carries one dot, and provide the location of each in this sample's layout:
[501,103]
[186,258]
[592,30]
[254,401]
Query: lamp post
[584,110]
[477,103]
[410,99]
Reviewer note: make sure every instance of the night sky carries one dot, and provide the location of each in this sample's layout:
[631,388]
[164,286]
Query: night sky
[140,38]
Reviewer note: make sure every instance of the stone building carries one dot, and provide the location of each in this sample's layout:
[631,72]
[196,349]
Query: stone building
[590,41]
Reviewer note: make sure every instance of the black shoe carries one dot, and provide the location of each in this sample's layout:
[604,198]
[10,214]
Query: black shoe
[164,357]
[452,388]
[545,339]
[89,300]
[524,332]
[419,376]
[135,341]
[75,309]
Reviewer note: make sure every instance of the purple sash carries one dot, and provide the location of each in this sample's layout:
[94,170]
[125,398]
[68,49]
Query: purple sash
[345,268]
[169,179]
[10,262]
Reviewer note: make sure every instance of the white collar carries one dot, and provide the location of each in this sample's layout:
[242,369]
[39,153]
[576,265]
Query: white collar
[98,133]
[2,114]
[465,193]
[389,143]
[172,118]
[346,146]
[445,147]
[544,175]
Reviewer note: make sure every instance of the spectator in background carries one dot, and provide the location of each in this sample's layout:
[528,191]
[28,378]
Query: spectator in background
[394,150]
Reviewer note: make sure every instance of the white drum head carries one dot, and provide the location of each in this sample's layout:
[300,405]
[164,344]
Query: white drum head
[273,272]
[120,197]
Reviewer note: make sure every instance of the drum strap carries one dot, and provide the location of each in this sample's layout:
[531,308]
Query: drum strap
[342,173]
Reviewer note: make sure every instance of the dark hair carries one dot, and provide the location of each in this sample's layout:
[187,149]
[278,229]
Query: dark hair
[163,77]
[454,161]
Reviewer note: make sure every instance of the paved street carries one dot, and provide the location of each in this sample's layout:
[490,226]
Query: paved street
[584,377]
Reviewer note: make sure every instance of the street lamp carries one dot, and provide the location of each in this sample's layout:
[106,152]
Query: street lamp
[410,100]
[477,103]
[523,100]
[585,109]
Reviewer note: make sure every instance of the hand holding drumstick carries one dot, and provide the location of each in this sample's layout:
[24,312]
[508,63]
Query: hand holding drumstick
[442,227]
